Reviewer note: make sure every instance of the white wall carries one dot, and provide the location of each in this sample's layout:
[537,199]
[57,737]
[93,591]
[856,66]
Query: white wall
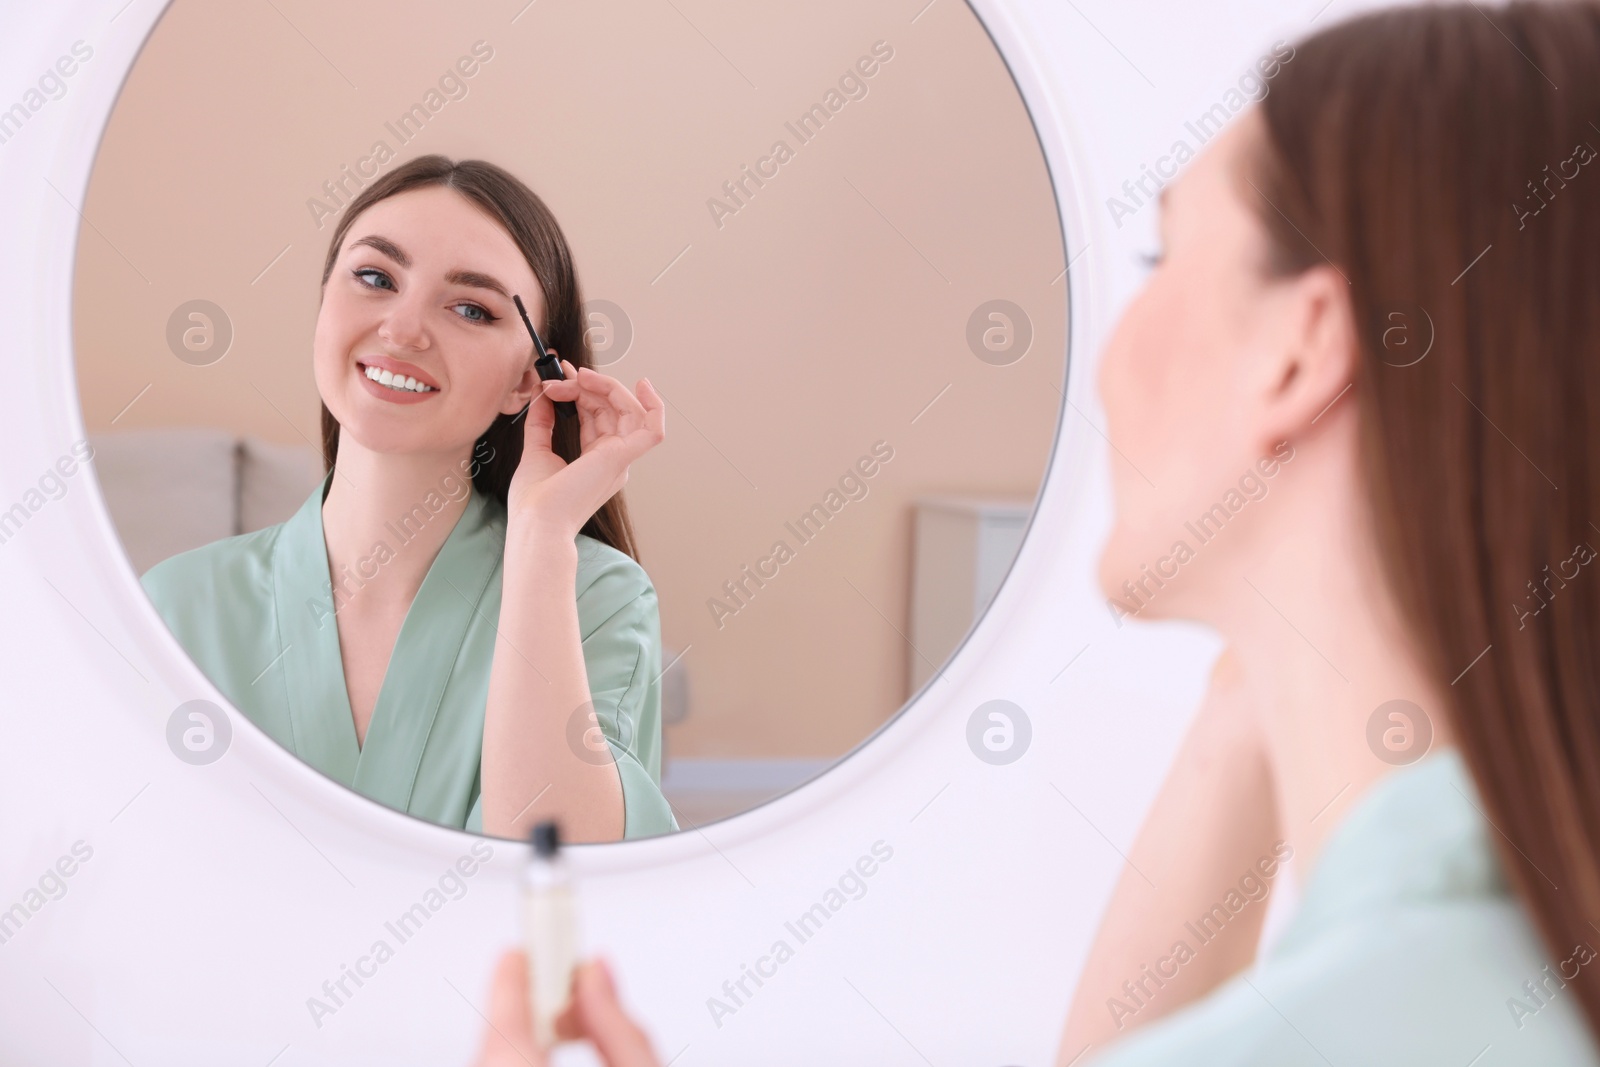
[218,898]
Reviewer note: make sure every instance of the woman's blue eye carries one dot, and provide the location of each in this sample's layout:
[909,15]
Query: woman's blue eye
[483,311]
[363,271]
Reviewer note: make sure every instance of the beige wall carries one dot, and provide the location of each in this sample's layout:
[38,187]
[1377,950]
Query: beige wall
[821,317]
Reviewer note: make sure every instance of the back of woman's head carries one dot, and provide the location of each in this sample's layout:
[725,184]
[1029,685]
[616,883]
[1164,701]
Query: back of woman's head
[1444,158]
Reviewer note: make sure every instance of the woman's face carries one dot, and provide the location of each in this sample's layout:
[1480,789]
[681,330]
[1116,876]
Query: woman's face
[1176,382]
[422,289]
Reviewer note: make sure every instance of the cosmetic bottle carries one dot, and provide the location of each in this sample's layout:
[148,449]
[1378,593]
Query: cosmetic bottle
[551,931]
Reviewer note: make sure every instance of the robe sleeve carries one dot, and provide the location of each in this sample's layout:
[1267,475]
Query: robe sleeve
[621,630]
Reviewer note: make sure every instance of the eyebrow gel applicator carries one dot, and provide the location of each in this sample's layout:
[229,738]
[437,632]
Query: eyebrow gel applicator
[548,366]
[550,918]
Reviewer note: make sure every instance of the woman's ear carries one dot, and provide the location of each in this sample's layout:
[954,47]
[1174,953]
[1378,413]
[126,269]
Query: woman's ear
[1316,354]
[522,394]
[528,386]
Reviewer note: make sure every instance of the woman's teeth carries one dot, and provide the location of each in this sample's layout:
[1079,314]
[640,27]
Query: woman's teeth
[397,381]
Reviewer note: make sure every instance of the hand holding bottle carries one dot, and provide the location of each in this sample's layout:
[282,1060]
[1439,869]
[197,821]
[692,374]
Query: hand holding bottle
[594,1014]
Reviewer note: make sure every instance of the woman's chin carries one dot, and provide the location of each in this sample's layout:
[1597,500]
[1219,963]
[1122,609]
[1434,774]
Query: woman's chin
[376,432]
[1125,581]
[1114,566]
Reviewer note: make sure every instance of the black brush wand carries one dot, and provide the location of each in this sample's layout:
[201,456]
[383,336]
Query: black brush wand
[548,367]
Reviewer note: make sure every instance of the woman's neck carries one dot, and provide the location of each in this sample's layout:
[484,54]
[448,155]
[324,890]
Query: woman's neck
[1322,647]
[385,518]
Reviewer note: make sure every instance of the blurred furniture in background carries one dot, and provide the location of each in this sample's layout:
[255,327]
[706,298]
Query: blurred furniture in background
[173,489]
[705,790]
[961,549]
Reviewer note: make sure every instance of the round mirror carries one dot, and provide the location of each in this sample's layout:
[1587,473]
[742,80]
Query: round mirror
[825,234]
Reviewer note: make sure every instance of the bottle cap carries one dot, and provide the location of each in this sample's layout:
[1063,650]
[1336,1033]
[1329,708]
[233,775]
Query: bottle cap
[546,839]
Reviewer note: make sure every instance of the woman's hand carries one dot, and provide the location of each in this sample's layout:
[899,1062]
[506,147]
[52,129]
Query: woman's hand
[616,427]
[594,1015]
[1215,817]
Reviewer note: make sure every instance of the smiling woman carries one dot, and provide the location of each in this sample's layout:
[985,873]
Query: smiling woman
[434,693]
[209,422]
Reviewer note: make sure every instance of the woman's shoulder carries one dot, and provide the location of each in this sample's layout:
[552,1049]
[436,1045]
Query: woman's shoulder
[1408,924]
[230,564]
[604,569]
[1421,984]
[609,581]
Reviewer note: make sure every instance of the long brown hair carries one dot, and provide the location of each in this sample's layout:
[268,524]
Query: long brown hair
[1428,152]
[531,225]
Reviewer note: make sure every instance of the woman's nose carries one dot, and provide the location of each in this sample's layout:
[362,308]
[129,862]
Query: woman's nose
[403,325]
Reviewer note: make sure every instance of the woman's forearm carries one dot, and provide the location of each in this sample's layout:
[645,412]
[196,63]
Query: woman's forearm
[1210,826]
[537,684]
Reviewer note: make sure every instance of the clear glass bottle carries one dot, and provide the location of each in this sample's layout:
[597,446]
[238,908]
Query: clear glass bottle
[551,931]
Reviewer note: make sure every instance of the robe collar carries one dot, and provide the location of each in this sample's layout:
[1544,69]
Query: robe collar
[409,705]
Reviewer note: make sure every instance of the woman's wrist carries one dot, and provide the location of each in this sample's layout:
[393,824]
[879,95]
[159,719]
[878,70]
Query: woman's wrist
[542,544]
[1213,818]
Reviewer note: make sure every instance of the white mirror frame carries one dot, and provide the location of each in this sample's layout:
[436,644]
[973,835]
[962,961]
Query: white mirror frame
[217,899]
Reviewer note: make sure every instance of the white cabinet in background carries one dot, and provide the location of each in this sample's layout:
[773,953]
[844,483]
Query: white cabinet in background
[961,549]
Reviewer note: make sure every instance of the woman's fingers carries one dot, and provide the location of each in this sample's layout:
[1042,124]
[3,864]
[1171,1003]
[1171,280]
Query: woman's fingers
[536,422]
[595,398]
[618,425]
[641,408]
[559,390]
[569,1025]
[509,1037]
[570,390]
[641,431]
[618,1039]
[654,407]
[611,408]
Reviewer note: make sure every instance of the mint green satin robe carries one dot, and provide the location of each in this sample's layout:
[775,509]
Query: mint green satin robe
[256,614]
[1408,948]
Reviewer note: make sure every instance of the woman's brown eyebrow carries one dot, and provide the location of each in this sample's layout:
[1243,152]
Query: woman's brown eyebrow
[471,278]
[477,281]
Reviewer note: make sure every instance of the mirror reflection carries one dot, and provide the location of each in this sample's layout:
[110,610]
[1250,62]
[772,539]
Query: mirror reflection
[733,489]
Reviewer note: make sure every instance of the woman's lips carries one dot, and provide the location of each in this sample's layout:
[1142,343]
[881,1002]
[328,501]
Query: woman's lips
[384,392]
[397,367]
